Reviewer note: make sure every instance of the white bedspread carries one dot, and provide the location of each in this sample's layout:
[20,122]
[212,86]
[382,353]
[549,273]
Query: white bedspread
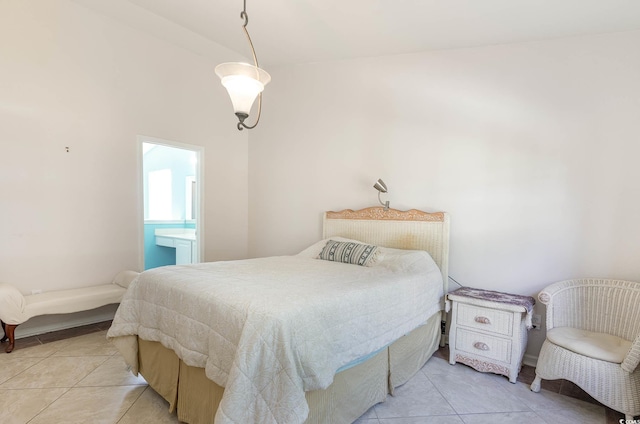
[270,329]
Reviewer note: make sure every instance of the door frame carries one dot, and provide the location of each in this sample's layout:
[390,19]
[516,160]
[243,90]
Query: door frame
[199,151]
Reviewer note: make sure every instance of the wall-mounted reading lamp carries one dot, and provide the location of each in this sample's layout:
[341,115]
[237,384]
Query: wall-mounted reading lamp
[382,188]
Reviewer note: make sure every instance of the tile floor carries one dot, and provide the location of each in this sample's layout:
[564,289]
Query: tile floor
[68,378]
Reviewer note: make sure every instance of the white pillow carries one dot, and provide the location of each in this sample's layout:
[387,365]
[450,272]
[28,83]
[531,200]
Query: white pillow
[395,259]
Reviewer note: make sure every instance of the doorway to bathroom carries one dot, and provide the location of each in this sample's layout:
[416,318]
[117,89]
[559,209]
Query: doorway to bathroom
[172,199]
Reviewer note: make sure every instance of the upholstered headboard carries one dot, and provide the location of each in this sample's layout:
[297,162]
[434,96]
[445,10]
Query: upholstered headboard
[412,229]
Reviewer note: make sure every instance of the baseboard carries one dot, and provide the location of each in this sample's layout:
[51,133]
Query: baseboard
[49,323]
[531,360]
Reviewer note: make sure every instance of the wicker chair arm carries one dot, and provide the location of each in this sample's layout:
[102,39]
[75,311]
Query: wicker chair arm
[569,302]
[546,295]
[631,361]
[546,298]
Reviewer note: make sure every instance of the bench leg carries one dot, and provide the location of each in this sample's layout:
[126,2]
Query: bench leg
[9,332]
[4,338]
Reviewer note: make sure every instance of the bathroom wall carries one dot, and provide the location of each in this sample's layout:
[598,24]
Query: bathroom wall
[182,164]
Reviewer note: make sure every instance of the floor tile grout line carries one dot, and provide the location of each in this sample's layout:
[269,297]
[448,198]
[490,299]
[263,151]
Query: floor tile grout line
[132,403]
[24,370]
[545,421]
[373,419]
[522,378]
[500,388]
[106,358]
[515,397]
[51,403]
[109,385]
[95,368]
[75,385]
[438,390]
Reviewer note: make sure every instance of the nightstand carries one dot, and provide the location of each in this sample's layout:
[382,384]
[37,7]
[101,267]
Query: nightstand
[488,330]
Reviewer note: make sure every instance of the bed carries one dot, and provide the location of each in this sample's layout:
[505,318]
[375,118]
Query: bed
[283,355]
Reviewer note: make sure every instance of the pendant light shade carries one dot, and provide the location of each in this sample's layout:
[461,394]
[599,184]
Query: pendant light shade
[244,83]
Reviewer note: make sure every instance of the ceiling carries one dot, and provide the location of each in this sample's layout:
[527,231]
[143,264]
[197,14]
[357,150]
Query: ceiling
[302,31]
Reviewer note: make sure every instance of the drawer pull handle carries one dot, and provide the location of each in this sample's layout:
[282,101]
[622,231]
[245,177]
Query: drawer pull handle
[483,320]
[481,346]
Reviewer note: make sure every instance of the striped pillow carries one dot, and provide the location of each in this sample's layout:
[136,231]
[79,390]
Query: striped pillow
[349,253]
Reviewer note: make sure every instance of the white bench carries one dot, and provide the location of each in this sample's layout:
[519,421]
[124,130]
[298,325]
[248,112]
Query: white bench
[15,308]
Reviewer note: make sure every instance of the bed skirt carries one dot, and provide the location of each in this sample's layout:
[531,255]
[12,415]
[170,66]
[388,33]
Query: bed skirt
[351,394]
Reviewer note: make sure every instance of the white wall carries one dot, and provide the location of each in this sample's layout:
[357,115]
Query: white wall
[532,148]
[72,77]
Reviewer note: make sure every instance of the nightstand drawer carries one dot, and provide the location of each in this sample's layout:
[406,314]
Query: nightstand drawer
[499,322]
[478,344]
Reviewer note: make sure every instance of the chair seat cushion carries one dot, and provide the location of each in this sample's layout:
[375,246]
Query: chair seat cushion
[601,346]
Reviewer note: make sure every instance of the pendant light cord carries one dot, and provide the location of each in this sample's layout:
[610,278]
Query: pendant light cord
[245,16]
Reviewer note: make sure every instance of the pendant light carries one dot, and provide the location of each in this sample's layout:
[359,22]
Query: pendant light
[244,82]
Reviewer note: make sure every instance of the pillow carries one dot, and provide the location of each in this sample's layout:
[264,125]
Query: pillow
[402,260]
[124,278]
[349,253]
[313,251]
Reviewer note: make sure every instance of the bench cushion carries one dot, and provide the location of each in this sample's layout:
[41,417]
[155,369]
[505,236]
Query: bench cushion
[15,308]
[73,300]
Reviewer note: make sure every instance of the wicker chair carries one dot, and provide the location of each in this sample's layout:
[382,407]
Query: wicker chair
[593,340]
